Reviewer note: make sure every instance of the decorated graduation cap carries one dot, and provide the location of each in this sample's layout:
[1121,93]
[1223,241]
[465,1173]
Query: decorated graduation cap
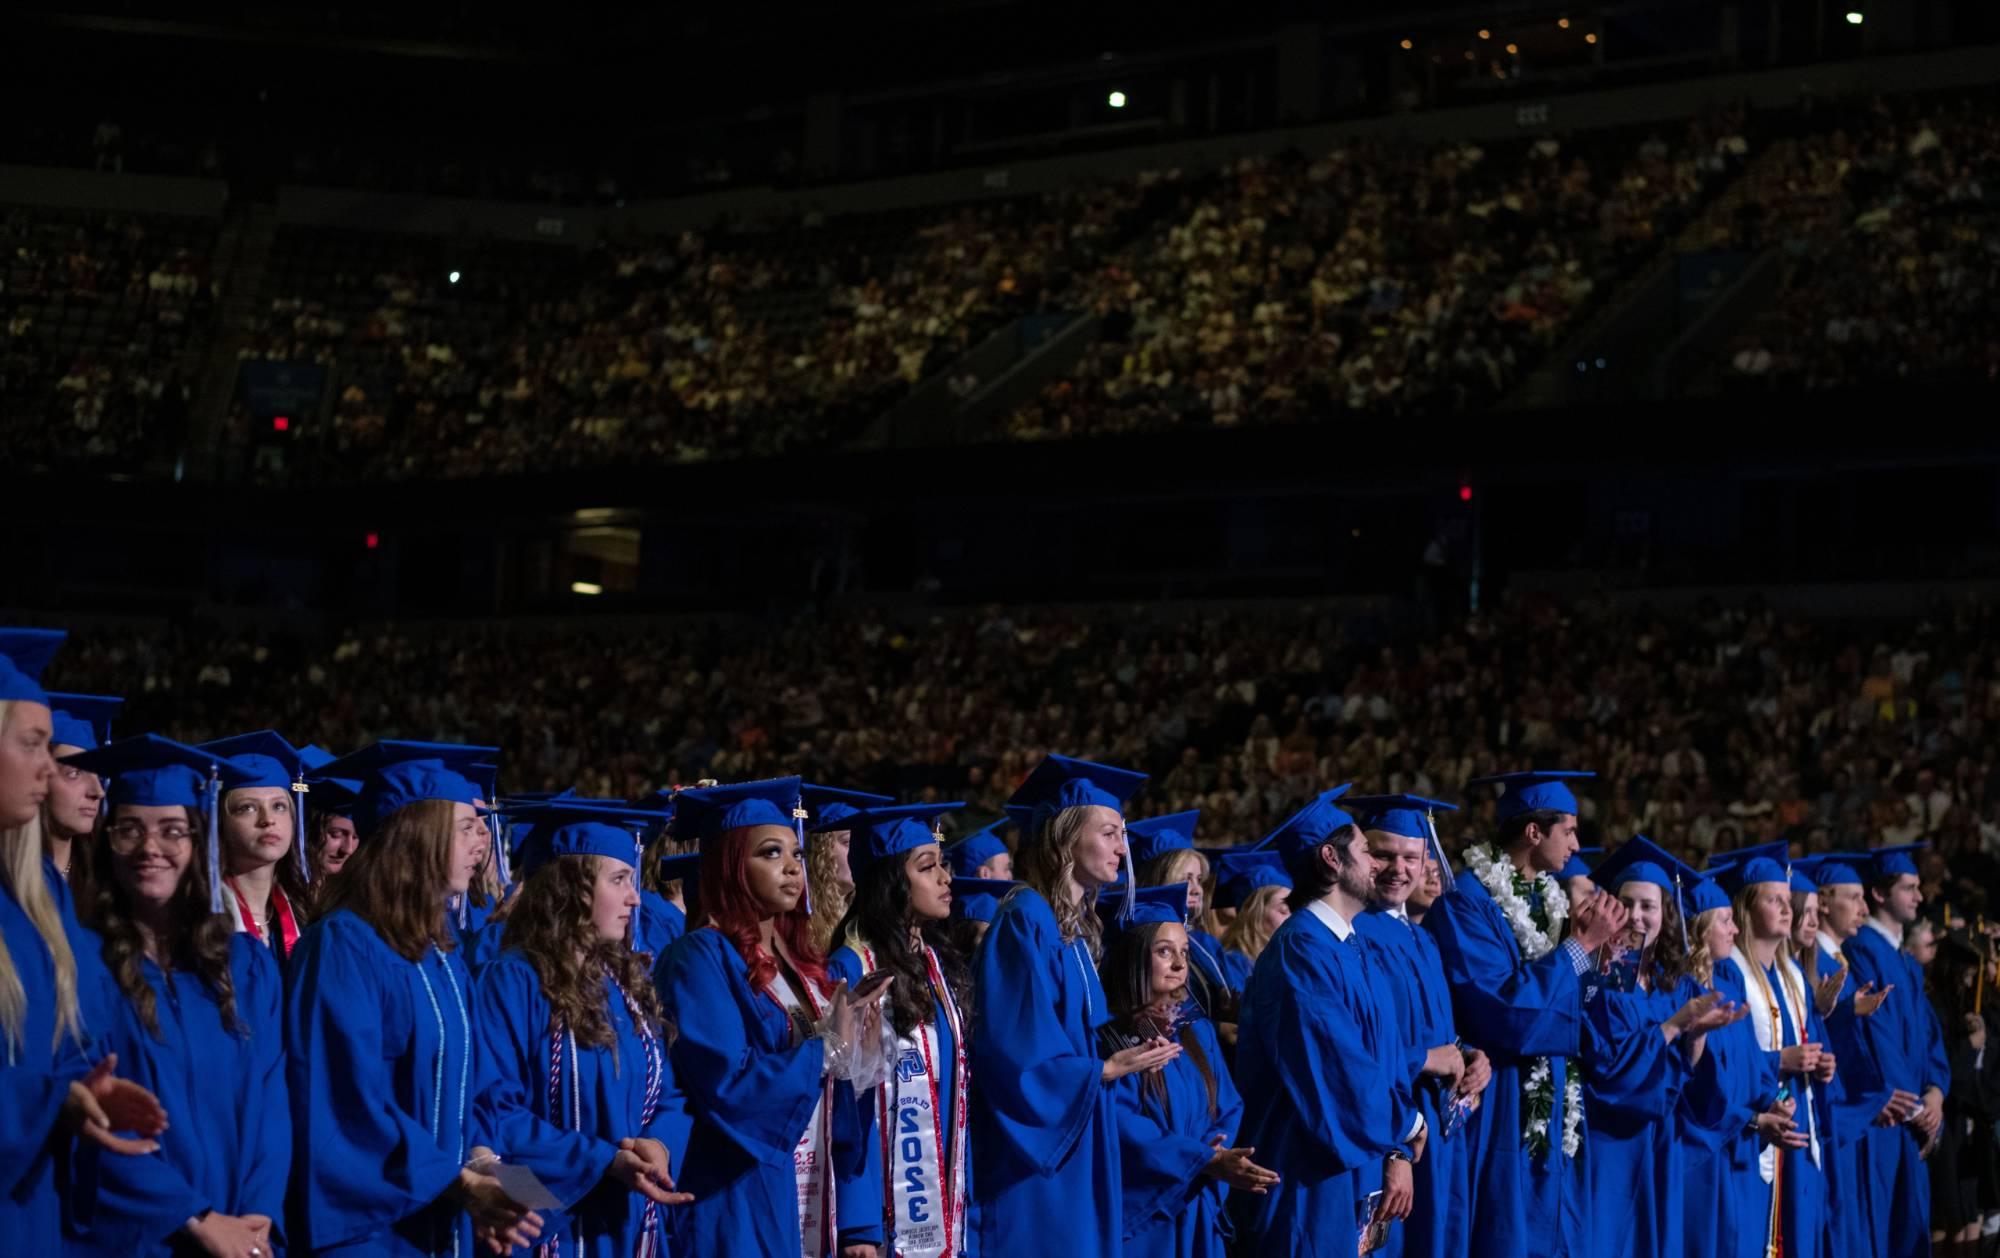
[1301,833]
[1156,836]
[881,833]
[82,721]
[828,804]
[1060,783]
[1834,869]
[1242,872]
[395,774]
[271,761]
[967,854]
[1893,862]
[1577,866]
[154,772]
[1766,862]
[1406,815]
[1167,903]
[24,656]
[979,898]
[1534,790]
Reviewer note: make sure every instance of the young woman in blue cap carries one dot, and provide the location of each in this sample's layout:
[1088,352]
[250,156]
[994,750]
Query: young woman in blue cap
[263,837]
[1044,1121]
[1253,886]
[49,993]
[918,1114]
[1163,852]
[573,1079]
[1176,1125]
[765,1046]
[199,1003]
[378,1027]
[75,806]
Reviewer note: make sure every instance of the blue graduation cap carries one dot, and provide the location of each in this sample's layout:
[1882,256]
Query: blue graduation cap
[24,656]
[575,828]
[154,772]
[880,833]
[1801,884]
[1301,833]
[1059,783]
[1639,859]
[1156,836]
[1894,862]
[707,813]
[1703,894]
[1409,816]
[395,774]
[1533,790]
[82,721]
[1239,873]
[828,804]
[271,761]
[1167,903]
[1834,869]
[1576,866]
[1765,862]
[979,898]
[975,849]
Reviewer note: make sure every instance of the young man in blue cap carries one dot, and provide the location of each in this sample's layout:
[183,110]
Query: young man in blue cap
[1909,1051]
[1521,967]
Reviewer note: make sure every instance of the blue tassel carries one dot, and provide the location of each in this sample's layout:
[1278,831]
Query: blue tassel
[299,789]
[638,865]
[214,839]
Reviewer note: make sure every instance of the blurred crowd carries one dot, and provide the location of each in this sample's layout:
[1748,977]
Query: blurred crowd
[1719,728]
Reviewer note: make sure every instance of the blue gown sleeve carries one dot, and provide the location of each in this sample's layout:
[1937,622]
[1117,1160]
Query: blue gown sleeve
[363,1163]
[1631,1067]
[1160,1163]
[510,1029]
[760,1099]
[1500,1003]
[857,1167]
[267,1111]
[1040,1084]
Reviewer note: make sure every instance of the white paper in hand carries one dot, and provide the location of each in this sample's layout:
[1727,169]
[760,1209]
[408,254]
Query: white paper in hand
[519,1183]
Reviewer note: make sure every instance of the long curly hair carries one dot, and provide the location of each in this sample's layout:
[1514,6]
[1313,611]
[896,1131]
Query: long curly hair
[197,940]
[1701,958]
[826,879]
[1247,934]
[1665,960]
[549,920]
[1048,864]
[880,917]
[722,890]
[1129,994]
[397,880]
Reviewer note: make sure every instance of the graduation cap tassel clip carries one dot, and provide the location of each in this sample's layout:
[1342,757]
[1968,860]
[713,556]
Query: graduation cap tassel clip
[214,839]
[299,789]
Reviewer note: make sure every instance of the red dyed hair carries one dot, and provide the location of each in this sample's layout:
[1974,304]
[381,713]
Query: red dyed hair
[723,895]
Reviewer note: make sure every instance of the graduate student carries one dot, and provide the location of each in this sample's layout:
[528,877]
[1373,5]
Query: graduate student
[1788,1202]
[1326,1104]
[378,1025]
[196,1021]
[330,803]
[1163,852]
[829,876]
[262,826]
[766,1047]
[1908,1050]
[1253,887]
[54,1088]
[1398,830]
[982,854]
[75,804]
[1521,965]
[897,923]
[1044,1121]
[1177,1124]
[573,1079]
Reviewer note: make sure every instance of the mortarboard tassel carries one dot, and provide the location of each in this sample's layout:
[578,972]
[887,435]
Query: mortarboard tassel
[299,789]
[1437,852]
[214,839]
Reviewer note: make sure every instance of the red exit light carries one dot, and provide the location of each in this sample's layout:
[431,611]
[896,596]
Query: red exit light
[372,540]
[281,423]
[1465,493]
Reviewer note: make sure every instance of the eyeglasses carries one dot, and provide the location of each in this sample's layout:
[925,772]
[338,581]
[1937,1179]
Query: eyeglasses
[126,836]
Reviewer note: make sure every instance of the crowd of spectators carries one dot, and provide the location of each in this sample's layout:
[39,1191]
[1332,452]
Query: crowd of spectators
[1884,216]
[1379,277]
[1708,730]
[97,316]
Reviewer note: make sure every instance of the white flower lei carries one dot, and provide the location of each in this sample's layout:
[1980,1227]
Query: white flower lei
[1504,883]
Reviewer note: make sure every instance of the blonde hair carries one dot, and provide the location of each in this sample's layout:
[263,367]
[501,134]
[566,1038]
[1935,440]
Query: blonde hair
[21,863]
[1739,904]
[830,892]
[1700,961]
[1048,864]
[1247,934]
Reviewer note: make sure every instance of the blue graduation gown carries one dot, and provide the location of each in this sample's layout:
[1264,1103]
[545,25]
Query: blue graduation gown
[1726,1090]
[660,923]
[1323,1103]
[1858,1093]
[35,1077]
[1211,984]
[1895,1184]
[1171,1208]
[1515,1011]
[1629,1169]
[379,1068]
[1236,968]
[1803,1208]
[228,1146]
[570,1151]
[750,1093]
[483,947]
[1409,958]
[864,1197]
[1044,1125]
